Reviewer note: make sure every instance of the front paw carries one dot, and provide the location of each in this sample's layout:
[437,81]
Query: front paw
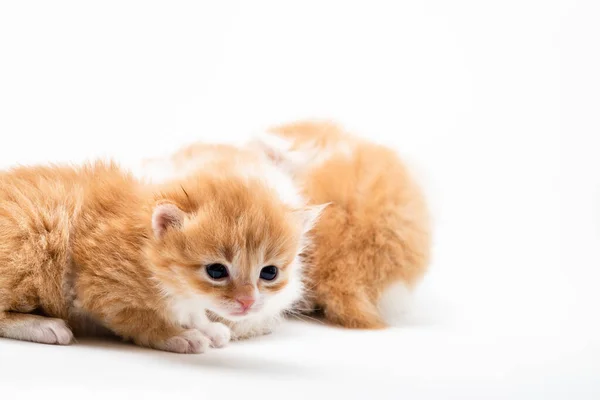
[218,333]
[190,341]
[48,330]
[251,328]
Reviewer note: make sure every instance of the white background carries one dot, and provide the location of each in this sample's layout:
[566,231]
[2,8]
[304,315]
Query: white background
[495,104]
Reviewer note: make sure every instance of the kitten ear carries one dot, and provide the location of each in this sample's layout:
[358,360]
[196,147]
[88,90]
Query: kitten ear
[272,146]
[279,151]
[165,216]
[310,215]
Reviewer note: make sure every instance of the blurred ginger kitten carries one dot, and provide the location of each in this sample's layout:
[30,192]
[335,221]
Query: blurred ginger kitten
[92,249]
[372,243]
[261,261]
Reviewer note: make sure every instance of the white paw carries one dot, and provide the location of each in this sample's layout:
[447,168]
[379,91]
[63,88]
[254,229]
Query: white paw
[190,341]
[242,334]
[49,331]
[251,328]
[218,333]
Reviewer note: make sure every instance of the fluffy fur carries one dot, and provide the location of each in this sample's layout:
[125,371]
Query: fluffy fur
[373,241]
[266,185]
[91,249]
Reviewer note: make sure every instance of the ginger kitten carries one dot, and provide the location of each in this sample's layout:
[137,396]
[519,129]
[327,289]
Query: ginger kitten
[373,240]
[90,249]
[266,185]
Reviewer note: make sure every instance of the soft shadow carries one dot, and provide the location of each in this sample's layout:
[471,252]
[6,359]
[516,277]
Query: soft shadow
[231,362]
[215,359]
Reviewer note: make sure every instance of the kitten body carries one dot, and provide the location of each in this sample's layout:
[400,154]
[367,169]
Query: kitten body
[372,243]
[234,163]
[92,249]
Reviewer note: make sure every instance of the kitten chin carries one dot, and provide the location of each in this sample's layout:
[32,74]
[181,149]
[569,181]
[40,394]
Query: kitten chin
[260,221]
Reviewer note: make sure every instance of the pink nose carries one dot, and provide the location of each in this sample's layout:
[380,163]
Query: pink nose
[246,302]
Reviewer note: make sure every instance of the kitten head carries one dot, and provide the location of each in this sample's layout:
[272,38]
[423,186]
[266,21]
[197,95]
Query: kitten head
[228,244]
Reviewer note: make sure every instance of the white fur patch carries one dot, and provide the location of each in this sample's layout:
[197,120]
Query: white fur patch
[274,178]
[187,309]
[395,302]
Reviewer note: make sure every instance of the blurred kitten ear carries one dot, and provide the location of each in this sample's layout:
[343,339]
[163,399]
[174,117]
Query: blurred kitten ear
[279,151]
[272,146]
[165,216]
[310,215]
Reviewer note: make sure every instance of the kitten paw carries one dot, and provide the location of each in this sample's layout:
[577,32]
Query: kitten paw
[218,333]
[49,331]
[252,328]
[190,341]
[237,334]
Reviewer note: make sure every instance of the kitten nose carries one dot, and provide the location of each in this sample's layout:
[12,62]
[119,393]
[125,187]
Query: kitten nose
[245,301]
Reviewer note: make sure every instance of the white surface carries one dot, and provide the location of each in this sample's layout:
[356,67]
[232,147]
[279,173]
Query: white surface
[496,104]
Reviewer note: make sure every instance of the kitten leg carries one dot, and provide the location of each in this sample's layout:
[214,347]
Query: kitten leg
[218,333]
[34,328]
[188,341]
[148,329]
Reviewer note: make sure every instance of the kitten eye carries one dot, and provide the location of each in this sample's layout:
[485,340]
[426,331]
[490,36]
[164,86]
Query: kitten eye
[217,271]
[268,273]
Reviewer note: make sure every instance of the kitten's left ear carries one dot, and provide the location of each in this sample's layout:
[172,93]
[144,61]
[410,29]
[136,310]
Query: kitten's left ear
[279,151]
[310,215]
[166,216]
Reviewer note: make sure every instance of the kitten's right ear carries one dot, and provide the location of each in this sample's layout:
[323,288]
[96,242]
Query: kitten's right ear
[310,215]
[166,216]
